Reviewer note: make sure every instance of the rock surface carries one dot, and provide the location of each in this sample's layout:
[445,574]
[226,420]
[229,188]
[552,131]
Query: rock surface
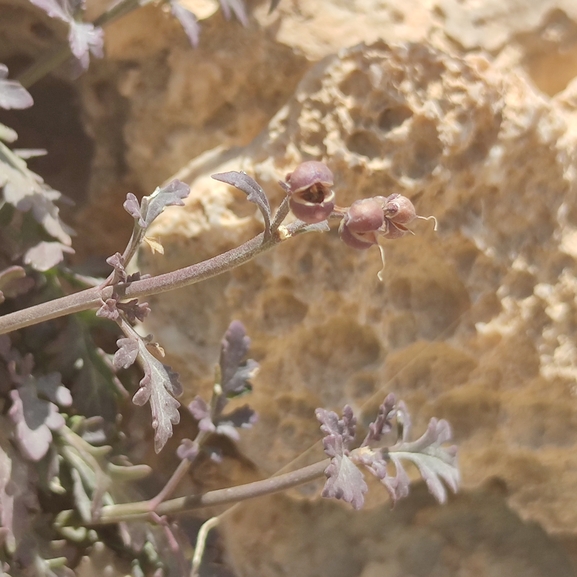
[473,323]
[469,109]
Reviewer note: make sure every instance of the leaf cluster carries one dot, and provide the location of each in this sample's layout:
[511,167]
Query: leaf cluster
[436,463]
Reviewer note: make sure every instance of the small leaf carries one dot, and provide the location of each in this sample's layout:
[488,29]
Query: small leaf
[12,93]
[188,21]
[344,480]
[242,418]
[170,195]
[13,282]
[383,423]
[251,188]
[46,255]
[435,463]
[117,263]
[51,387]
[18,493]
[85,39]
[188,450]
[109,310]
[235,371]
[132,207]
[134,310]
[126,354]
[158,386]
[200,410]
[34,419]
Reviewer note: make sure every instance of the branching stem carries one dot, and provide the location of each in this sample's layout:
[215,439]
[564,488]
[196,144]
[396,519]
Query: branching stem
[140,511]
[92,298]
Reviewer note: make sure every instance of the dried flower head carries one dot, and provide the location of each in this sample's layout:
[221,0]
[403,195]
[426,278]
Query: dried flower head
[309,188]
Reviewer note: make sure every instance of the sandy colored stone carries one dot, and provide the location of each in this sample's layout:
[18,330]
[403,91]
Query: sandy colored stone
[473,323]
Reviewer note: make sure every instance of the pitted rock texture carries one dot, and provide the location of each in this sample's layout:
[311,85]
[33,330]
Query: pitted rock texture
[474,323]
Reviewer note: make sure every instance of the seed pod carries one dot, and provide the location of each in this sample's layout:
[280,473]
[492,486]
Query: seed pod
[358,241]
[364,215]
[399,209]
[309,187]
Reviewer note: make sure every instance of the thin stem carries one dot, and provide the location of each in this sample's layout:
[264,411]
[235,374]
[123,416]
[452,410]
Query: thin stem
[140,511]
[93,297]
[171,485]
[201,544]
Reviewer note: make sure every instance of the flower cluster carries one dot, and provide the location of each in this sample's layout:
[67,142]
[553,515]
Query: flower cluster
[363,224]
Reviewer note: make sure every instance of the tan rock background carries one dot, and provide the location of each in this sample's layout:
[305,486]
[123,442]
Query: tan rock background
[469,108]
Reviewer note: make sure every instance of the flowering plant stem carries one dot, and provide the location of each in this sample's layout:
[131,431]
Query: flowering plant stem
[92,298]
[141,511]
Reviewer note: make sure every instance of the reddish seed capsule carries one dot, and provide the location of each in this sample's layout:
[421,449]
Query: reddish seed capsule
[361,223]
[364,215]
[370,218]
[309,188]
[309,179]
[358,241]
[399,209]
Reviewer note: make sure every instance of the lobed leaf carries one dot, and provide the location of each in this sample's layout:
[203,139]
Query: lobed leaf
[252,189]
[34,420]
[344,480]
[126,354]
[46,255]
[132,207]
[134,310]
[383,423]
[117,263]
[13,282]
[242,418]
[343,428]
[170,195]
[51,387]
[437,464]
[188,450]
[26,191]
[53,8]
[12,93]
[18,494]
[235,372]
[109,310]
[85,39]
[200,410]
[158,386]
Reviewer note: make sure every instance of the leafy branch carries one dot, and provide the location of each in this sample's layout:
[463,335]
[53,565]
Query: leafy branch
[435,462]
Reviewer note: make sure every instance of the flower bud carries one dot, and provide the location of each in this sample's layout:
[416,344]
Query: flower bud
[309,188]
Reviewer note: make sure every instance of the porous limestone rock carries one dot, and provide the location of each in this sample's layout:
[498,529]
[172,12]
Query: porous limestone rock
[473,323]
